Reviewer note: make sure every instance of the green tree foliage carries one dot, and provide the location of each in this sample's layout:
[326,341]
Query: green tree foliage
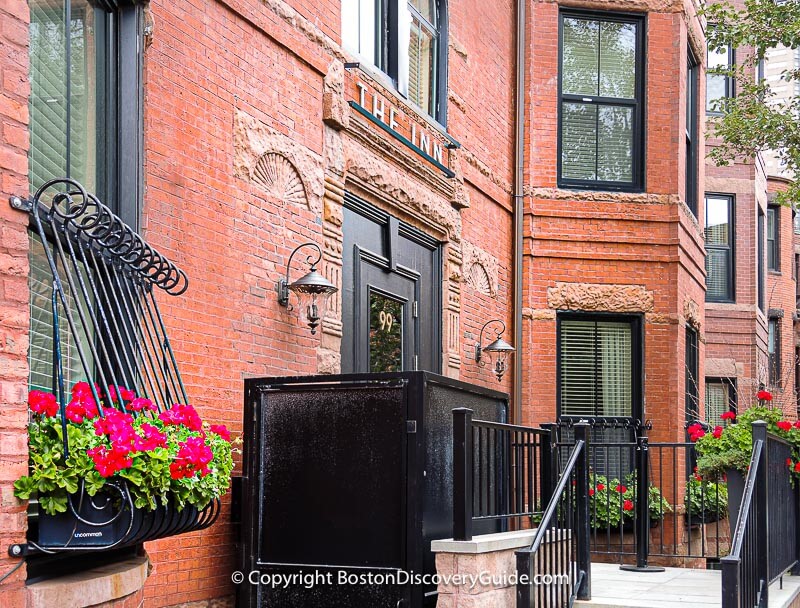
[755,120]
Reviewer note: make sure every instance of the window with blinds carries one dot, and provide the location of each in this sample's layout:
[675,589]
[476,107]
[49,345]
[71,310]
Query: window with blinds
[692,404]
[42,340]
[403,39]
[600,101]
[719,399]
[719,248]
[422,53]
[774,351]
[68,56]
[595,363]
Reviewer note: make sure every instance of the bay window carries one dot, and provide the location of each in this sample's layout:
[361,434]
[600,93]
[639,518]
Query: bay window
[601,101]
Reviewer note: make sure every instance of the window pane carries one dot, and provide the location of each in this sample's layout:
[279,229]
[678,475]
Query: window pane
[41,347]
[426,8]
[617,59]
[578,369]
[717,401]
[615,144]
[717,221]
[717,274]
[385,334]
[62,130]
[596,368]
[421,66]
[578,141]
[580,53]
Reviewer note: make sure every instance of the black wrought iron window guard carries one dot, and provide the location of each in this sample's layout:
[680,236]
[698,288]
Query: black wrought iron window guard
[103,302]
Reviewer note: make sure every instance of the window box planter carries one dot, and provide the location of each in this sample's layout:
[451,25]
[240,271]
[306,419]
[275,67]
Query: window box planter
[121,479]
[107,521]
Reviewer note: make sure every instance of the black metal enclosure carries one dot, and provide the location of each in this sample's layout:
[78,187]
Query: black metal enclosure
[350,476]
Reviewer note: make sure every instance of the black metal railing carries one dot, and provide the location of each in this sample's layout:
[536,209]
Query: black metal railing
[782,528]
[502,473]
[100,306]
[647,500]
[745,571]
[555,569]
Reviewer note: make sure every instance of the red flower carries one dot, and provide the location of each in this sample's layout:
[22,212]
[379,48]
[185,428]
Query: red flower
[75,412]
[600,487]
[728,416]
[107,462]
[140,403]
[182,414]
[591,492]
[797,467]
[784,425]
[698,477]
[193,457]
[119,428]
[697,435]
[221,430]
[764,396]
[797,424]
[152,439]
[43,403]
[621,489]
[627,505]
[694,428]
[717,433]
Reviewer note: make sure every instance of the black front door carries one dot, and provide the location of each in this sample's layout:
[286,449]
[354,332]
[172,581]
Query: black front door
[391,310]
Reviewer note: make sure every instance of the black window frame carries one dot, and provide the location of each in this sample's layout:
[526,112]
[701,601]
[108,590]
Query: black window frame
[119,142]
[774,356]
[692,372]
[637,354]
[774,244]
[732,398]
[387,45]
[691,185]
[730,86]
[730,296]
[638,104]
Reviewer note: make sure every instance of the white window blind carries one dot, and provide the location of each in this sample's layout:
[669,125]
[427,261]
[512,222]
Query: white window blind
[596,368]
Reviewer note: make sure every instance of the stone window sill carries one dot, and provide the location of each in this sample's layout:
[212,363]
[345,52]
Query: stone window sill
[90,587]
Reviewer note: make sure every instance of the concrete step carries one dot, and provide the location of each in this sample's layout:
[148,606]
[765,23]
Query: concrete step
[685,587]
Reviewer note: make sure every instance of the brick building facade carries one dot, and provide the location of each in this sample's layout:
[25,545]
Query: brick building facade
[255,126]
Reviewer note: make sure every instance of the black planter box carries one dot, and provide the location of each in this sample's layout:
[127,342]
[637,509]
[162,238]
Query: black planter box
[105,522]
[108,523]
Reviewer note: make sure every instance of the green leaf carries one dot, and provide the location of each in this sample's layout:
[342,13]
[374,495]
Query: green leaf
[53,504]
[24,487]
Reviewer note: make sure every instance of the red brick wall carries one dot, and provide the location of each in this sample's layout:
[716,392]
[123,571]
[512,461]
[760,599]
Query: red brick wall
[647,240]
[13,288]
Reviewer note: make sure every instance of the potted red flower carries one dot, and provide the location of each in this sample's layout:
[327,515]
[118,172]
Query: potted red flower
[108,464]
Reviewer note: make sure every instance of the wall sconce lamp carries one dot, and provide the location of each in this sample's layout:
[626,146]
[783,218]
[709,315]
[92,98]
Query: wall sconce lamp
[312,289]
[500,348]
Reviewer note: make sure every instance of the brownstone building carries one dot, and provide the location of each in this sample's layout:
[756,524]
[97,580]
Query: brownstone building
[535,163]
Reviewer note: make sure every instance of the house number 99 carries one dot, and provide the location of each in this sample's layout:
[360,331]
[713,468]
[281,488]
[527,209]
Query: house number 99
[386,320]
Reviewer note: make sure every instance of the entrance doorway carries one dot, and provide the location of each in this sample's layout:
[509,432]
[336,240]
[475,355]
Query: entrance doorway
[391,296]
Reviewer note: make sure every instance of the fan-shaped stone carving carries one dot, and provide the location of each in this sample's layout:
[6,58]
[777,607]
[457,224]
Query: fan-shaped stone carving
[279,177]
[478,279]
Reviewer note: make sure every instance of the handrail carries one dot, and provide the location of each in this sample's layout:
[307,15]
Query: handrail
[745,570]
[737,541]
[566,522]
[552,507]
